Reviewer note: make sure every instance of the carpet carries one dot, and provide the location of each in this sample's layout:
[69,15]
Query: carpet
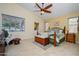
[41,46]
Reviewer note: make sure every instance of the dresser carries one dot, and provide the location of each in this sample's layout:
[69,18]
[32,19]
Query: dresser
[70,37]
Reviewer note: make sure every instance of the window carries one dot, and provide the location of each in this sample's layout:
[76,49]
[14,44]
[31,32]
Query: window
[73,25]
[46,26]
[12,23]
[78,24]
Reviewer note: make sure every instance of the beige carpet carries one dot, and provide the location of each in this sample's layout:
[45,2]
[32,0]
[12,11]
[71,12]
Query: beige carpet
[28,48]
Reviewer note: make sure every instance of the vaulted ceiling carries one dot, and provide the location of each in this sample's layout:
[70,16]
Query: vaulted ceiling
[58,9]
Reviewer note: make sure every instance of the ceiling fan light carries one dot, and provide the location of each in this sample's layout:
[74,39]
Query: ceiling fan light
[42,12]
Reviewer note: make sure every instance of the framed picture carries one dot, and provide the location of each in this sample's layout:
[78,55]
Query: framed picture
[56,23]
[36,26]
[12,23]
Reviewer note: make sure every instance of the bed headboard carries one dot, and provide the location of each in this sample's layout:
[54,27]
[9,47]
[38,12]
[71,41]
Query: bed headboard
[58,28]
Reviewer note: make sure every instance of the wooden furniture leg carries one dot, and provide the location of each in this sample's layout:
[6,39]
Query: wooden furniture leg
[54,39]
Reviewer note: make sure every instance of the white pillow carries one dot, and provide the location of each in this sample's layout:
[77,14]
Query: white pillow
[60,31]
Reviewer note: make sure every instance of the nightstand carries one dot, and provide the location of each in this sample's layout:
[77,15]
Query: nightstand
[70,37]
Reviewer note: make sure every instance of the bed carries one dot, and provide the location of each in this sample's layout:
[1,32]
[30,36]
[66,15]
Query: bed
[54,36]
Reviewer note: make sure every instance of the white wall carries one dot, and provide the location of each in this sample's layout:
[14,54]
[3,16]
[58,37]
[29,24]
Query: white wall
[30,18]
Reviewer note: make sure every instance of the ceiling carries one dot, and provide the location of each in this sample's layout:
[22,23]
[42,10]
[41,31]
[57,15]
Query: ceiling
[58,9]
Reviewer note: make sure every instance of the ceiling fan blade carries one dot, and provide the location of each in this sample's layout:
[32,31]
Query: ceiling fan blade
[46,11]
[48,6]
[38,6]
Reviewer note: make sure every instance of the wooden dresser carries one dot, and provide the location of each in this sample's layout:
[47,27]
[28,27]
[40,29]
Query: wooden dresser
[70,37]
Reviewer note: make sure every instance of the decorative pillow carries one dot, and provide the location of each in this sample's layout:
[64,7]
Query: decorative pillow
[60,31]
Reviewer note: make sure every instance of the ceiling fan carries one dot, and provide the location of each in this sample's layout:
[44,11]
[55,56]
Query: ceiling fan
[44,9]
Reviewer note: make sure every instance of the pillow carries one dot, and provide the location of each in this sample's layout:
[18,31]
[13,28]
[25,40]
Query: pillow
[60,31]
[51,32]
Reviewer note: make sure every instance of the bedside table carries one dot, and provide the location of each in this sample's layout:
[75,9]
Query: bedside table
[70,37]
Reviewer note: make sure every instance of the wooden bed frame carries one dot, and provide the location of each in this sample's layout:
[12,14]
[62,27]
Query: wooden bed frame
[45,41]
[64,30]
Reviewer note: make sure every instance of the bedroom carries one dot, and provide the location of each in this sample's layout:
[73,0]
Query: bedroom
[58,18]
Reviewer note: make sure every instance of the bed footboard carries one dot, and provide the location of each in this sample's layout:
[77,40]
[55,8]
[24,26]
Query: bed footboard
[43,41]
